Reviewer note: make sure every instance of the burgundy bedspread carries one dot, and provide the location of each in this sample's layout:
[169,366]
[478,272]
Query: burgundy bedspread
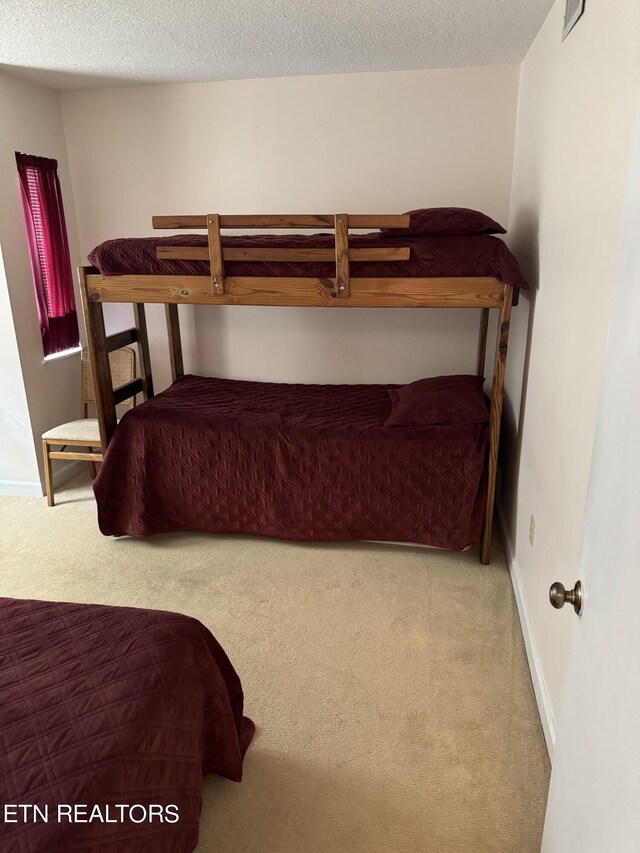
[430,257]
[309,462]
[104,713]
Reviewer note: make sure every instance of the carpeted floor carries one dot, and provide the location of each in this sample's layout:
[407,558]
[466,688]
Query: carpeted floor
[389,684]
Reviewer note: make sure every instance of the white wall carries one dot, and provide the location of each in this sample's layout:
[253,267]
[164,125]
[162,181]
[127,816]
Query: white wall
[18,461]
[32,123]
[358,143]
[575,115]
[595,773]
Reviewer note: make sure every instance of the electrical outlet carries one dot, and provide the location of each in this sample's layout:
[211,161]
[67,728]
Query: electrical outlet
[532,530]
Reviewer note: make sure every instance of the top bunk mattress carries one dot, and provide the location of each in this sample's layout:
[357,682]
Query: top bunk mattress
[431,257]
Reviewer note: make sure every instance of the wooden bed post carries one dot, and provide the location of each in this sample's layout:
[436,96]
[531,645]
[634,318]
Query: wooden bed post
[215,253]
[140,320]
[99,359]
[341,225]
[175,341]
[502,343]
[482,341]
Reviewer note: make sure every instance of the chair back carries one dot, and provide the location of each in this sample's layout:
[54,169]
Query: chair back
[123,369]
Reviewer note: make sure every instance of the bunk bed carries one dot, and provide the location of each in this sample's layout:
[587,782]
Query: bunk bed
[204,423]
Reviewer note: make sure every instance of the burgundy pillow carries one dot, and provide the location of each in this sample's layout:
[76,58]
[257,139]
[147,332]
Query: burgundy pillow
[439,400]
[446,222]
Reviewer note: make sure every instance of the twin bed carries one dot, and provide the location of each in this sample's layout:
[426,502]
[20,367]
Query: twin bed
[295,461]
[309,462]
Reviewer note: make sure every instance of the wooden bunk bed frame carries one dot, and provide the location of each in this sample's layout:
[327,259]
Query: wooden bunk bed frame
[339,291]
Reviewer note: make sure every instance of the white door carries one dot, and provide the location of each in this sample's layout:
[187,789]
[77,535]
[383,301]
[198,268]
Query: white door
[594,799]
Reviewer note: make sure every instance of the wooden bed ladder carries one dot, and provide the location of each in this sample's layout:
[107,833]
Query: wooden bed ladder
[100,345]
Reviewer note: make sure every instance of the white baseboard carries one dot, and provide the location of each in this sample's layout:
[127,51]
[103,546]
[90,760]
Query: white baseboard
[535,666]
[21,488]
[33,488]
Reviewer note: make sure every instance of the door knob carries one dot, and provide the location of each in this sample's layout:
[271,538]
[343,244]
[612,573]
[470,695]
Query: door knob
[559,596]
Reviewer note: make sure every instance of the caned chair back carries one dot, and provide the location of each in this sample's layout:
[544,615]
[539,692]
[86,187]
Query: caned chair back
[123,370]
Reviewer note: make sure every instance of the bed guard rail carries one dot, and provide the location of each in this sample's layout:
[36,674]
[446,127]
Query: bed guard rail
[342,254]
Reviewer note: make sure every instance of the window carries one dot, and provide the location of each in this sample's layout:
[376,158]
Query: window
[49,252]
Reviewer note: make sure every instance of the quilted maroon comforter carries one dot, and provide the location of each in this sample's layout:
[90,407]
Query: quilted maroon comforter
[310,462]
[106,712]
[480,255]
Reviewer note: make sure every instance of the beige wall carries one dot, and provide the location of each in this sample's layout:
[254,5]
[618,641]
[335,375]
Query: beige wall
[576,106]
[359,143]
[31,122]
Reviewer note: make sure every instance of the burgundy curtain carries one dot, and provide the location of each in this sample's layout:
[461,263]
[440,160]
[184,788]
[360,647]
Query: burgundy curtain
[49,252]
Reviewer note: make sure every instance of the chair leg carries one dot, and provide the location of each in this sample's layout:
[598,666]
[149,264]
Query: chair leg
[93,469]
[48,479]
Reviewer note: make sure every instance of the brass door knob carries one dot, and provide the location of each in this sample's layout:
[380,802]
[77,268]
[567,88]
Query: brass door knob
[559,596]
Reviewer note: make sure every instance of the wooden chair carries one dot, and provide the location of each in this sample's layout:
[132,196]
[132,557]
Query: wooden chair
[85,433]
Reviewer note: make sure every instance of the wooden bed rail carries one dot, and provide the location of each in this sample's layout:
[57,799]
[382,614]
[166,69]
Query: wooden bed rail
[316,220]
[342,255]
[122,339]
[289,256]
[481,292]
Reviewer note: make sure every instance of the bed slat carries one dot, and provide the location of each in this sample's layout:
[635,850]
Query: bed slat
[129,389]
[317,220]
[201,253]
[122,339]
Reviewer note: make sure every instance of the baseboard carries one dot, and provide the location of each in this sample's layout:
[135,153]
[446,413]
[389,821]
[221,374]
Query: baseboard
[34,489]
[21,488]
[535,667]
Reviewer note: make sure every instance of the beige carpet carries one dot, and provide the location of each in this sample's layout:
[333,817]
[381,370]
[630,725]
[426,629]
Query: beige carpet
[389,684]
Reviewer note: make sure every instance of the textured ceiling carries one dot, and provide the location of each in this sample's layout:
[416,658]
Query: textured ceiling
[83,43]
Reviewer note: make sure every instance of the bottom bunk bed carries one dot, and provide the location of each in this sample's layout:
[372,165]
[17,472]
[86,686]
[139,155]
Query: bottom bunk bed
[110,716]
[305,462]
